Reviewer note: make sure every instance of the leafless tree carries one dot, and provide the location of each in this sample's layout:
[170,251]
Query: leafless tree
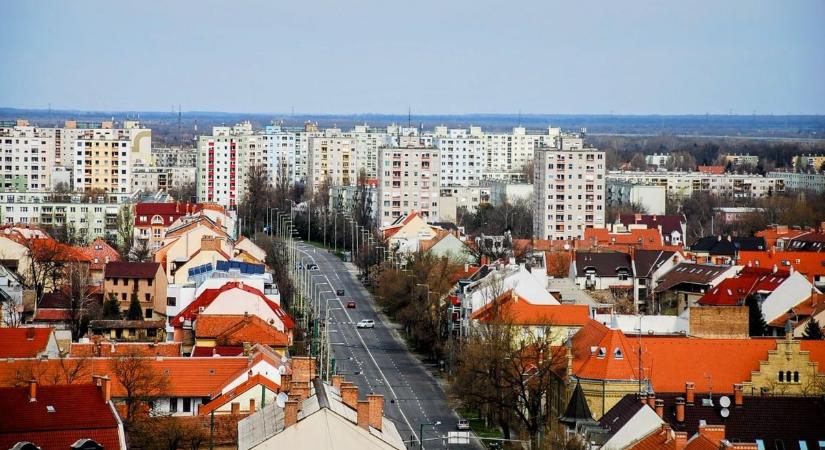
[78,294]
[140,381]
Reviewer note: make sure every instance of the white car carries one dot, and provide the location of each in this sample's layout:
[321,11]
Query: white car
[366,323]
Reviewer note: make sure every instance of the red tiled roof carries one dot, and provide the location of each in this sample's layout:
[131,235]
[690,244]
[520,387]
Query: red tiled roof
[209,295]
[513,308]
[78,412]
[252,382]
[237,329]
[734,291]
[668,222]
[58,251]
[220,350]
[52,315]
[809,307]
[610,359]
[643,237]
[23,342]
[463,274]
[713,170]
[102,252]
[809,264]
[167,212]
[771,235]
[113,349]
[123,269]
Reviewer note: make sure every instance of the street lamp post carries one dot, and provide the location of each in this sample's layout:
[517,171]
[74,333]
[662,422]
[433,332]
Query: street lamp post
[421,432]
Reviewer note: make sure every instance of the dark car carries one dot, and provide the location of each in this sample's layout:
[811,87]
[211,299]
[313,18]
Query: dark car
[339,292]
[351,304]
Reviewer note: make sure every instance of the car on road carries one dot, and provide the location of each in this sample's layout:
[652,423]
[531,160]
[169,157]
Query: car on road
[312,266]
[351,304]
[339,292]
[462,425]
[366,323]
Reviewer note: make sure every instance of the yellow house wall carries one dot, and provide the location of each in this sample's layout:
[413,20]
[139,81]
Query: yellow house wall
[601,396]
[788,357]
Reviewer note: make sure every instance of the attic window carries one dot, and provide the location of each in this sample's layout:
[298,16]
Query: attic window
[617,353]
[601,353]
[211,371]
[50,408]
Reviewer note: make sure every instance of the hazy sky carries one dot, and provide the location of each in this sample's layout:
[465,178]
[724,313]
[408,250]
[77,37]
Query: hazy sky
[444,56]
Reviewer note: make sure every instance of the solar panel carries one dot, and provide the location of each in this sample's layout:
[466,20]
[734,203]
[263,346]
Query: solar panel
[200,269]
[243,267]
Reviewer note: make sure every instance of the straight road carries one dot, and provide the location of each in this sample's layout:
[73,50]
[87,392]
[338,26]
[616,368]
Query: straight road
[375,360]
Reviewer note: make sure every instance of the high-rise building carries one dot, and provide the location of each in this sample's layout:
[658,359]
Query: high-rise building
[509,154]
[225,159]
[462,158]
[103,164]
[568,189]
[28,157]
[409,180]
[332,158]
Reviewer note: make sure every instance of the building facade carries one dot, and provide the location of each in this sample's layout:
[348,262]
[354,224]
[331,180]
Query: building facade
[408,182]
[684,184]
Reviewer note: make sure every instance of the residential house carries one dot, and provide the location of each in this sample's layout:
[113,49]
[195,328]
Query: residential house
[185,237]
[28,342]
[217,334]
[783,302]
[104,348]
[245,246]
[405,233]
[777,236]
[648,267]
[211,252]
[806,263]
[100,253]
[757,281]
[813,308]
[147,281]
[724,250]
[321,416]
[686,283]
[600,271]
[673,227]
[153,220]
[60,417]
[129,330]
[448,245]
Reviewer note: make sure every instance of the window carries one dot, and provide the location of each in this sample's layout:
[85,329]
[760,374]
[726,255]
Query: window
[148,313]
[170,301]
[187,404]
[173,404]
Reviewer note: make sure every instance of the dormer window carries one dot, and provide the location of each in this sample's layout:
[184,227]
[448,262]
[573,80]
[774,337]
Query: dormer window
[617,353]
[601,353]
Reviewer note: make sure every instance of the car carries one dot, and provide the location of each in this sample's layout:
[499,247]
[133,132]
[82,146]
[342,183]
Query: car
[366,323]
[462,425]
[312,266]
[339,292]
[351,304]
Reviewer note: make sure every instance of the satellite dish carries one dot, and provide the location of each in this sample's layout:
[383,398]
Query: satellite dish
[724,401]
[282,370]
[725,412]
[281,399]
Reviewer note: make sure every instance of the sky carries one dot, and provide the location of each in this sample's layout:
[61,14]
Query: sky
[434,57]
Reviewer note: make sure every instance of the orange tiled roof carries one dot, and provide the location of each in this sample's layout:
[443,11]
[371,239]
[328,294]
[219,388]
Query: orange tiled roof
[22,342]
[463,274]
[101,251]
[714,170]
[771,235]
[252,382]
[610,359]
[236,329]
[807,263]
[111,349]
[518,310]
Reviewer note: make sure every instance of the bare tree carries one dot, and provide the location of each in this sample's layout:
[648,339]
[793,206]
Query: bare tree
[126,231]
[186,192]
[140,381]
[78,294]
[46,260]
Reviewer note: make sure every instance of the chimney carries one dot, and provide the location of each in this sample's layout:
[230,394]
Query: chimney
[349,394]
[30,333]
[737,395]
[106,388]
[290,413]
[336,381]
[251,405]
[681,439]
[303,368]
[236,408]
[660,407]
[32,390]
[300,388]
[680,409]
[651,400]
[286,379]
[376,410]
[363,408]
[643,398]
[689,387]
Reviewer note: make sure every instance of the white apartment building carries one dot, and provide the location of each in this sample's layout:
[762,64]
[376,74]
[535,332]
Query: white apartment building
[568,189]
[462,158]
[28,157]
[66,139]
[158,178]
[408,181]
[174,156]
[811,181]
[501,191]
[508,154]
[103,164]
[741,160]
[368,142]
[657,159]
[451,199]
[224,161]
[651,198]
[279,145]
[683,184]
[332,158]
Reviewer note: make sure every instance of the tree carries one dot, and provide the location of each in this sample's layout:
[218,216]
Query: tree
[812,330]
[257,199]
[638,162]
[756,320]
[62,193]
[46,260]
[528,171]
[141,382]
[77,291]
[111,308]
[135,312]
[186,192]
[126,231]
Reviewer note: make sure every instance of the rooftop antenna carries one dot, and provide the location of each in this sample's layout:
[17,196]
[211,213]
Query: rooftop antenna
[409,117]
[519,117]
[179,130]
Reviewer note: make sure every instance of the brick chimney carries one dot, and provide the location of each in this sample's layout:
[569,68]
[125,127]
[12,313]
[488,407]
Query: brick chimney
[337,380]
[300,388]
[286,380]
[715,433]
[737,395]
[236,408]
[349,394]
[680,439]
[106,388]
[211,243]
[251,405]
[32,390]
[303,368]
[689,392]
[376,410]
[643,398]
[651,400]
[363,408]
[290,413]
[660,407]
[680,409]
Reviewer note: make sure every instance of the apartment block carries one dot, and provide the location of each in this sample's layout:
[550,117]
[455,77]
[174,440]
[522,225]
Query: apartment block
[103,164]
[509,154]
[28,157]
[174,157]
[368,142]
[741,160]
[66,138]
[808,181]
[280,147]
[161,178]
[684,184]
[568,189]
[409,181]
[462,158]
[224,161]
[651,198]
[332,158]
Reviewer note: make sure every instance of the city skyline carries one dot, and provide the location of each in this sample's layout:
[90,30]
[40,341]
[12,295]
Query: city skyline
[537,58]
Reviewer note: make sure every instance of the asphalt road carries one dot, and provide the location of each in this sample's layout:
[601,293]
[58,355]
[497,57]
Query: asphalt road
[378,362]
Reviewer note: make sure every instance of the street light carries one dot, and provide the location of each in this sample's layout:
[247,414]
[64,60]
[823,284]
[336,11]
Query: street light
[421,432]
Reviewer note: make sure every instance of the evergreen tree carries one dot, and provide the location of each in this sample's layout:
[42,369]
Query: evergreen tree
[111,308]
[135,311]
[812,330]
[756,320]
